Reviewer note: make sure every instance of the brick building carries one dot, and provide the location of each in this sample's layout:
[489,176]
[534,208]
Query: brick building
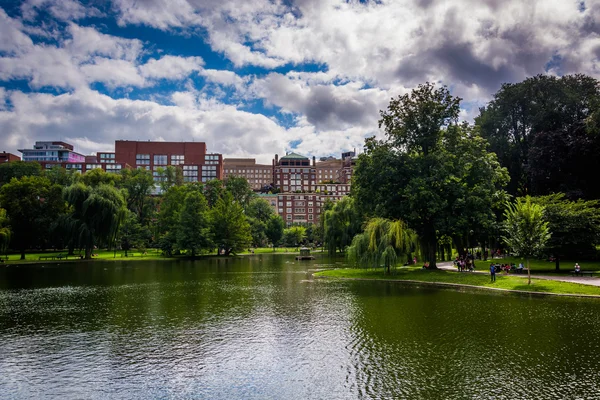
[258,175]
[8,157]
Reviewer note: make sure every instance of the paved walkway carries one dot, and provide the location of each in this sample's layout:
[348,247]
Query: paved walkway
[449,266]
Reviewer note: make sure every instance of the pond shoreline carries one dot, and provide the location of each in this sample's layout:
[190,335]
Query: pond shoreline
[456,286]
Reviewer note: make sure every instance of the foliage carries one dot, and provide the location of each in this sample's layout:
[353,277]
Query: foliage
[240,190]
[544,131]
[96,214]
[132,234]
[274,229]
[430,171]
[32,204]
[575,226]
[230,228]
[383,243]
[61,176]
[5,232]
[341,223]
[98,176]
[526,231]
[18,169]
[170,176]
[294,236]
[213,190]
[138,183]
[168,217]
[193,233]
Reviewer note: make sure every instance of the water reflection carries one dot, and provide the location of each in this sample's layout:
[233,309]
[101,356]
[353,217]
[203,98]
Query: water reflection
[256,327]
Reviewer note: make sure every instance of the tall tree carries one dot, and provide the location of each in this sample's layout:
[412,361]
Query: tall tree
[98,176]
[231,230]
[193,233]
[542,131]
[526,231]
[138,183]
[274,229]
[294,235]
[5,232]
[240,189]
[168,217]
[429,171]
[32,204]
[341,223]
[213,190]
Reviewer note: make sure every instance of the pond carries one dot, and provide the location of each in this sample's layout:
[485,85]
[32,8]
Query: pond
[258,327]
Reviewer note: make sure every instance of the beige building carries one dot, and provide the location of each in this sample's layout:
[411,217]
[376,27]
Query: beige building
[328,170]
[258,175]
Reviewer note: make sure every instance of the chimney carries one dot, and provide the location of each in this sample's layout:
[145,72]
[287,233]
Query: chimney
[276,159]
[314,161]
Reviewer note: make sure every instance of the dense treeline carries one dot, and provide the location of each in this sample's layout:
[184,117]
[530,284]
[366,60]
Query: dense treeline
[451,181]
[60,209]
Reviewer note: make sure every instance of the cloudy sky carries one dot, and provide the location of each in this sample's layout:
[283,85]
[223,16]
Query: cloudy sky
[256,77]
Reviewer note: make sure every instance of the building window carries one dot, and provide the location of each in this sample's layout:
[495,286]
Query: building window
[142,159]
[310,210]
[310,217]
[160,159]
[288,210]
[92,166]
[177,159]
[288,217]
[113,168]
[299,210]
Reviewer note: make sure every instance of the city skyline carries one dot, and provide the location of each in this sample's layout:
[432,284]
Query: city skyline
[267,76]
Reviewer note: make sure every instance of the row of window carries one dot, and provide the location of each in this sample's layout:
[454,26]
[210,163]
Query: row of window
[249,171]
[159,159]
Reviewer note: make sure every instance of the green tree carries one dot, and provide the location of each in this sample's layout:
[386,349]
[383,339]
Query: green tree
[341,223]
[430,171]
[97,214]
[213,190]
[383,243]
[575,226]
[274,229]
[168,217]
[259,212]
[138,183]
[294,236]
[194,233]
[526,231]
[231,230]
[98,176]
[170,176]
[60,176]
[132,234]
[32,204]
[240,189]
[542,130]
[18,169]
[5,232]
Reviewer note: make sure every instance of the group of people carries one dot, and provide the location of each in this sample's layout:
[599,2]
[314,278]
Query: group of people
[506,268]
[465,263]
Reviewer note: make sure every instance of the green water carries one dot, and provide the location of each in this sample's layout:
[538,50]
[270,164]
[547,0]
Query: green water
[258,327]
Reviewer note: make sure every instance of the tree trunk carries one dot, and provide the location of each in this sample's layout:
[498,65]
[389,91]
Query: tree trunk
[71,249]
[22,253]
[88,253]
[557,263]
[528,273]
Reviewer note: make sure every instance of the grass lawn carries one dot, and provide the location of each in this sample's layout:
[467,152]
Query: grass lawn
[483,280]
[150,254]
[543,266]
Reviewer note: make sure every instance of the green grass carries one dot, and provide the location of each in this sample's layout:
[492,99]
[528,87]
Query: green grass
[543,266]
[509,282]
[150,254]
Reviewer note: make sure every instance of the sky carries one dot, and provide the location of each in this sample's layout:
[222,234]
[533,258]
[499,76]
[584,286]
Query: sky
[252,78]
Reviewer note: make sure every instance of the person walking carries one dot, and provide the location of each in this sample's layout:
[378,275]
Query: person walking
[493,273]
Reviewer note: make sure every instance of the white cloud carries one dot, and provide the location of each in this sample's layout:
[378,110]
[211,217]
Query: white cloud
[171,67]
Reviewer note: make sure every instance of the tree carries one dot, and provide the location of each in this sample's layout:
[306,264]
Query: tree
[526,231]
[18,169]
[341,223]
[213,190]
[274,229]
[60,176]
[258,213]
[383,243]
[575,226]
[168,217]
[170,176]
[138,183]
[98,176]
[97,214]
[32,204]
[542,130]
[231,230]
[240,189]
[294,235]
[132,234]
[5,232]
[193,233]
[430,171]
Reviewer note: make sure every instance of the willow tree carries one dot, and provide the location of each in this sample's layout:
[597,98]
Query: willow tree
[384,243]
[526,231]
[96,214]
[340,224]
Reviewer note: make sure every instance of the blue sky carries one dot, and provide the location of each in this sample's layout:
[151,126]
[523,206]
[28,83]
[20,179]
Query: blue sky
[260,77]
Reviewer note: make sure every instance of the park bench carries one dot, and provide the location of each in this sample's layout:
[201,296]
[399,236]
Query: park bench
[582,273]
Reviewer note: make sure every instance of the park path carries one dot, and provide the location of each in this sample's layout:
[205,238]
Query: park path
[449,266]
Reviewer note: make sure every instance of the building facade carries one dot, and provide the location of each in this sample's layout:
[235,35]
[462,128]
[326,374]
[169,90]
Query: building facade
[8,157]
[52,152]
[258,176]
